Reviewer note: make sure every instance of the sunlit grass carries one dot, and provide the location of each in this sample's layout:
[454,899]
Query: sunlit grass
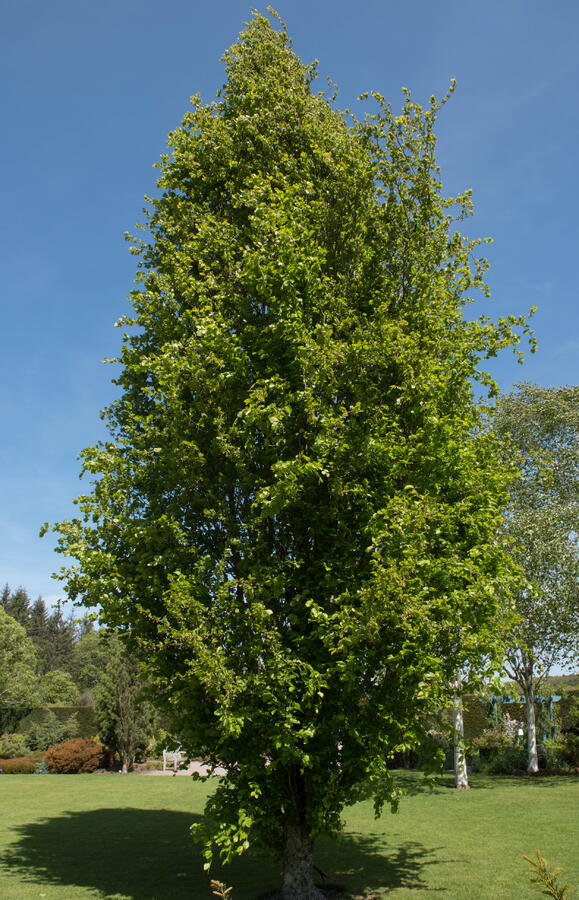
[81,836]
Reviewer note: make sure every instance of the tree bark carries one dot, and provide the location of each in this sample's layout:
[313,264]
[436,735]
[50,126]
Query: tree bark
[533,759]
[298,863]
[460,770]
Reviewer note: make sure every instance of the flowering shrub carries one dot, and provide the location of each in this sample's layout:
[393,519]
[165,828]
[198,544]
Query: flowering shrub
[71,757]
[499,736]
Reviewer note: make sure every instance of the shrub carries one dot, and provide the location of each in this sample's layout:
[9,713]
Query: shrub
[512,760]
[51,730]
[23,765]
[498,737]
[508,761]
[71,757]
[13,745]
[569,750]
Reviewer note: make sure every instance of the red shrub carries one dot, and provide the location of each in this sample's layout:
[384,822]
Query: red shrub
[20,765]
[79,755]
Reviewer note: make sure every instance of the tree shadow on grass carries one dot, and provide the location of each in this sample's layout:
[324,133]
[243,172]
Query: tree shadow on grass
[136,853]
[146,854]
[368,865]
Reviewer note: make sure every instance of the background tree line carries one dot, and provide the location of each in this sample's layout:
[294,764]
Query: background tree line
[50,659]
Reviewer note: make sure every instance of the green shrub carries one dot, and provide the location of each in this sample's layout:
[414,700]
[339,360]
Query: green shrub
[51,730]
[42,768]
[508,761]
[23,765]
[13,745]
[71,757]
[569,750]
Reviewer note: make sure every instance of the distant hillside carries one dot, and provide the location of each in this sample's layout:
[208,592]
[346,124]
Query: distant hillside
[554,684]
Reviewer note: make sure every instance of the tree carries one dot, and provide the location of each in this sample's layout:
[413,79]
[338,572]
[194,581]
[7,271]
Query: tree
[16,604]
[123,717]
[18,688]
[295,517]
[89,660]
[58,687]
[59,641]
[540,431]
[459,749]
[39,631]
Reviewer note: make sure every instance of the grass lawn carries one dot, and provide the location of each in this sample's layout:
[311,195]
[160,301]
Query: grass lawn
[64,837]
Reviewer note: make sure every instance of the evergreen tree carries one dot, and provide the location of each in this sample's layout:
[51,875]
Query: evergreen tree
[124,718]
[17,604]
[39,632]
[60,641]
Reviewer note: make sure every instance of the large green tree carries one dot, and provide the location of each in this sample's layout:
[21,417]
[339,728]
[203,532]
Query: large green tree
[539,428]
[295,514]
[18,681]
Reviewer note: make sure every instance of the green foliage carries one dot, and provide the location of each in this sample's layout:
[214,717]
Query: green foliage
[539,428]
[16,604]
[18,688]
[125,719]
[73,757]
[548,880]
[51,730]
[59,688]
[568,713]
[42,768]
[568,752]
[509,761]
[14,745]
[295,516]
[89,660]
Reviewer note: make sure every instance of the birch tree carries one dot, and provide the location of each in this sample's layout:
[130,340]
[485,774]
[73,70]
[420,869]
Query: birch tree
[295,518]
[540,430]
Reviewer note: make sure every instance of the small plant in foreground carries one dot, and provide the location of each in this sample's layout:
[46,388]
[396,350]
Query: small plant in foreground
[540,870]
[219,890]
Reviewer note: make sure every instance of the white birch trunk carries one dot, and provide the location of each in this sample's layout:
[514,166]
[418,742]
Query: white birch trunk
[460,770]
[533,758]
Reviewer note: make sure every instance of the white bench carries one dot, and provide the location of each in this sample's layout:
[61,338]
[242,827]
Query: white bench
[173,758]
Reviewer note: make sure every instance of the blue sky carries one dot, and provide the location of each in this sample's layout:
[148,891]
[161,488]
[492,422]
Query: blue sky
[90,92]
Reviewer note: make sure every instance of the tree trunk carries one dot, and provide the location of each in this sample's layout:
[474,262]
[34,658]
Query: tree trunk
[533,761]
[125,766]
[298,882]
[460,770]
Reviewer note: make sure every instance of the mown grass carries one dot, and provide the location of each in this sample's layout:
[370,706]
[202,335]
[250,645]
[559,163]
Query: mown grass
[64,837]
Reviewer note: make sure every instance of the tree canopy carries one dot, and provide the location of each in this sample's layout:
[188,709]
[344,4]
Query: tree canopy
[18,683]
[539,428]
[295,516]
